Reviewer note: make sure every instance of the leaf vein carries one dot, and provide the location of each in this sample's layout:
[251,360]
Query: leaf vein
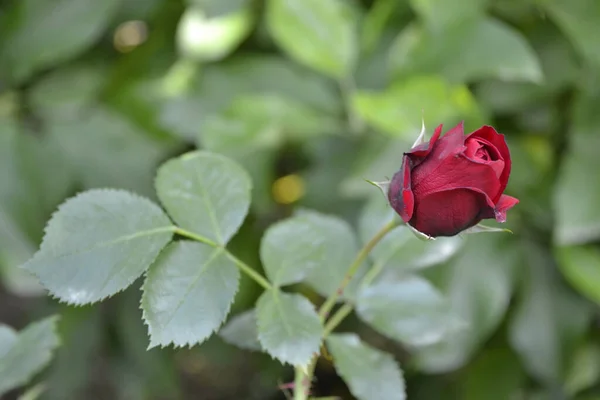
[202,270]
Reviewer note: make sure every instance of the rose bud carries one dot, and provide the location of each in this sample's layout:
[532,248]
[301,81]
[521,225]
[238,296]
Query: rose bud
[451,183]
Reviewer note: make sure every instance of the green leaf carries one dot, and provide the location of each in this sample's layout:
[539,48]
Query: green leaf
[340,250]
[549,319]
[187,293]
[8,338]
[49,33]
[134,10]
[24,354]
[34,392]
[317,33]
[263,121]
[579,20]
[310,246]
[88,138]
[581,267]
[577,190]
[259,163]
[288,327]
[220,86]
[440,13]
[241,331]
[35,179]
[485,48]
[399,110]
[98,243]
[401,249]
[377,161]
[496,374]
[16,248]
[205,193]
[369,373]
[478,286]
[375,22]
[203,38]
[292,248]
[215,8]
[561,69]
[479,228]
[82,334]
[68,91]
[584,370]
[406,308]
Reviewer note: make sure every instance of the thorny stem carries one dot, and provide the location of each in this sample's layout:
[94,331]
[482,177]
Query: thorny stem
[301,385]
[303,378]
[245,268]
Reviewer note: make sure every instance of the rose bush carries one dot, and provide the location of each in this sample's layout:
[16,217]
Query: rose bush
[453,182]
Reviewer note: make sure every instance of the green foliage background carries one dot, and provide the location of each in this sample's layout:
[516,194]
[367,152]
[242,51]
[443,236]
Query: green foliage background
[97,94]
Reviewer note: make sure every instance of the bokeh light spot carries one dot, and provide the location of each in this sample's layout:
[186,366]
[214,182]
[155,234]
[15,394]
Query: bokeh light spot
[130,35]
[288,189]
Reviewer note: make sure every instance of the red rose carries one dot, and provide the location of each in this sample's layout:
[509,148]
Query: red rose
[452,183]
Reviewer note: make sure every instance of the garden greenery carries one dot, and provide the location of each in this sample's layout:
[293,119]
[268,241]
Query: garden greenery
[183,204]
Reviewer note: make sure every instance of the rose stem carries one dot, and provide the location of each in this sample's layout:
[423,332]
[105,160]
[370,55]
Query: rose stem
[303,380]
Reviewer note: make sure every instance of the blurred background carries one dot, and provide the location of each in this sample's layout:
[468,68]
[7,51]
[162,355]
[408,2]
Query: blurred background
[312,97]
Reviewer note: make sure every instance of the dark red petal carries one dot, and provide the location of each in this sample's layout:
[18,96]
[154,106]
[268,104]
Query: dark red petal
[458,130]
[400,193]
[497,140]
[498,167]
[504,204]
[453,172]
[423,150]
[472,147]
[449,212]
[451,143]
[492,149]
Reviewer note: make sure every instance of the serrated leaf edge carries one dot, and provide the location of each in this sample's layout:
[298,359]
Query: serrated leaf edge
[261,338]
[205,153]
[62,300]
[189,344]
[384,354]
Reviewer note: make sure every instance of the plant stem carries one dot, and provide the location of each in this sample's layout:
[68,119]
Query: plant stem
[301,387]
[245,268]
[347,308]
[192,235]
[337,318]
[362,254]
[303,380]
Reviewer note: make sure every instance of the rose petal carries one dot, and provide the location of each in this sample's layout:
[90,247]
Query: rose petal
[454,172]
[491,148]
[504,204]
[472,147]
[422,150]
[498,167]
[400,193]
[474,144]
[497,140]
[451,142]
[449,212]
